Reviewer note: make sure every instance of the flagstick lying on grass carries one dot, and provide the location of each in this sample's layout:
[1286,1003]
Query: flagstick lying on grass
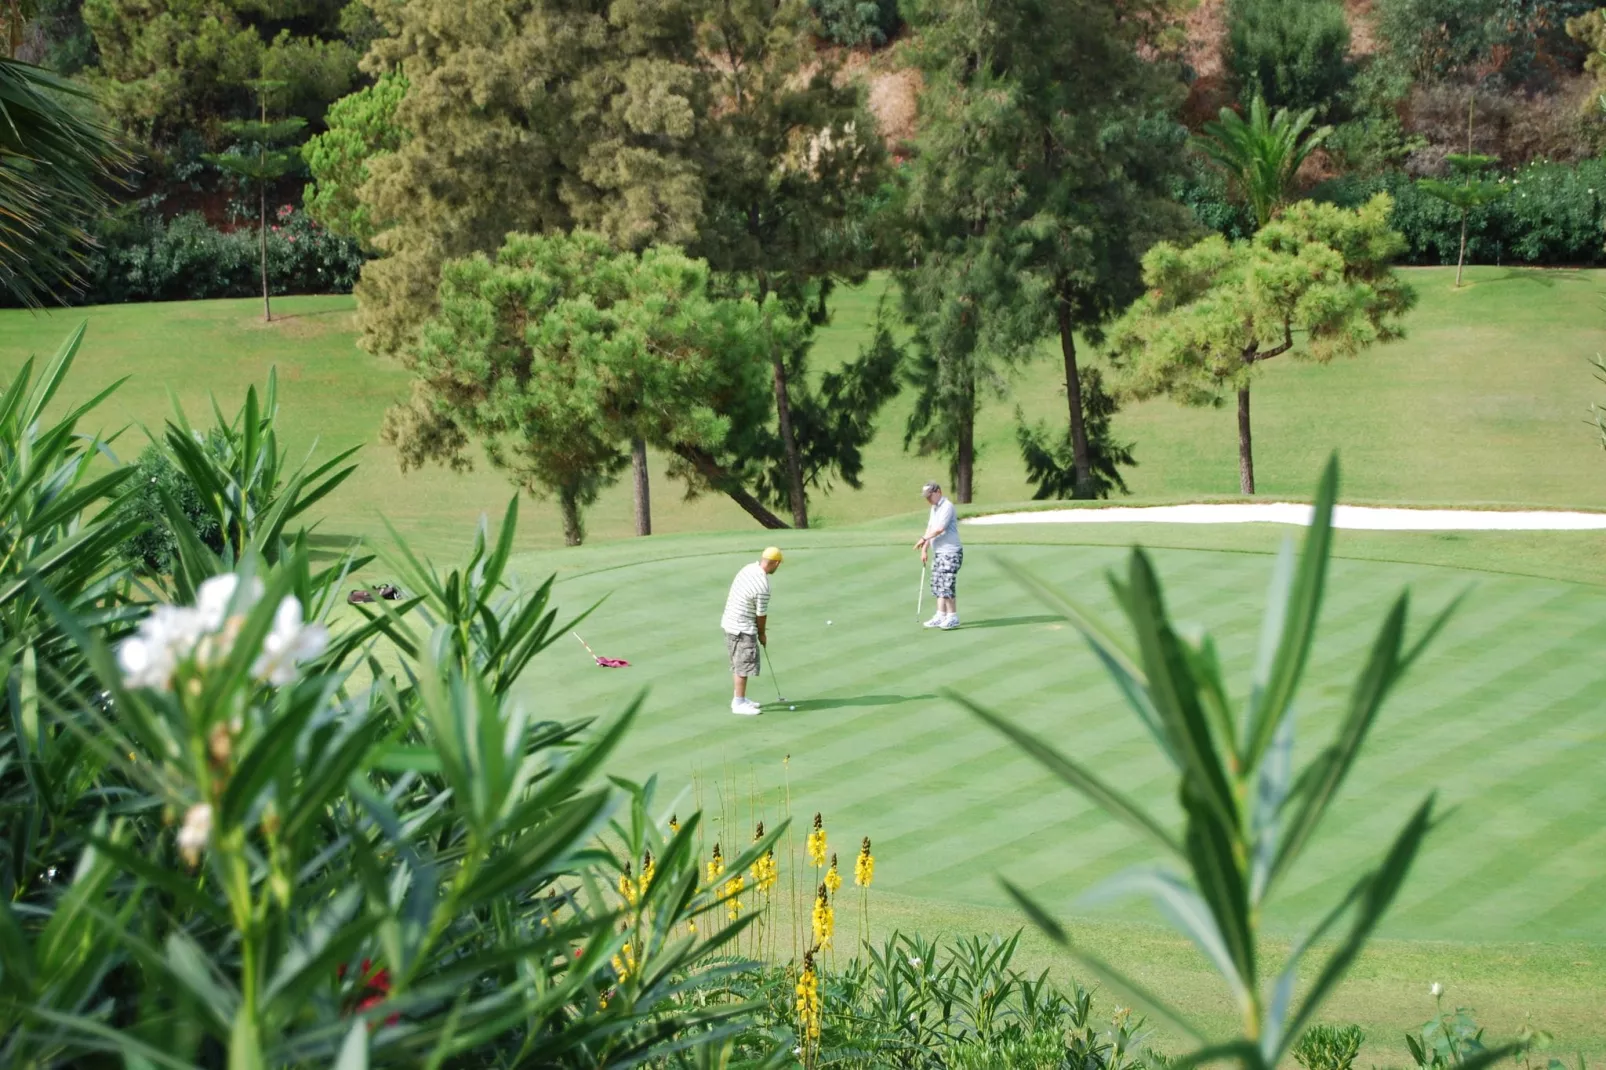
[606,663]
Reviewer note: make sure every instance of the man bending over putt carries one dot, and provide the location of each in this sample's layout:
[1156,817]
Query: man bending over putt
[941,540]
[746,608]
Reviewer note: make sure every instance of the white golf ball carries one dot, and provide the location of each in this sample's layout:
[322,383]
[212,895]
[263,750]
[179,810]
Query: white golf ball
[791,707]
[829,623]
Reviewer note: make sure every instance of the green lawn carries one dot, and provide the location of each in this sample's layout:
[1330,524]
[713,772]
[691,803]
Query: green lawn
[1486,402]
[1502,720]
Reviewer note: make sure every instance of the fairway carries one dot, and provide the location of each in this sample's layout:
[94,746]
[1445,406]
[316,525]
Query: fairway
[1501,719]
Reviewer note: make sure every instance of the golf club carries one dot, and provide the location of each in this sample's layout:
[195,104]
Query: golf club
[773,678]
[920,595]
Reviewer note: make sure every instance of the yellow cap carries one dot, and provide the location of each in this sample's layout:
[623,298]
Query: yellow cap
[771,553]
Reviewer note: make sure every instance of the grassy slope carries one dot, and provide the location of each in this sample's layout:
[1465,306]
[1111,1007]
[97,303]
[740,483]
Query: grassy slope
[1488,398]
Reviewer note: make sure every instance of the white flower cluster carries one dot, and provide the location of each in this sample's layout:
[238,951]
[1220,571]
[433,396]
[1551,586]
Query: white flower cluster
[206,633]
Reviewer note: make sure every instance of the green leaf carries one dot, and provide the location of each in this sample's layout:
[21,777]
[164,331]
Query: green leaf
[1333,765]
[1112,801]
[354,1051]
[1299,613]
[1183,907]
[1055,932]
[1381,888]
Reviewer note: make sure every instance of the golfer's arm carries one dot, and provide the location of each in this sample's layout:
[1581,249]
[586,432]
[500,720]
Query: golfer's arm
[759,620]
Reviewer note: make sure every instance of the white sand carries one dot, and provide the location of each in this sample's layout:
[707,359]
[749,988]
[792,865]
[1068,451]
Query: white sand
[1357,517]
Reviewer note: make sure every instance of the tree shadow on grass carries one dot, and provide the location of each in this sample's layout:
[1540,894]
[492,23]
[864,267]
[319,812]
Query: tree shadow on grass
[808,704]
[1010,622]
[1546,277]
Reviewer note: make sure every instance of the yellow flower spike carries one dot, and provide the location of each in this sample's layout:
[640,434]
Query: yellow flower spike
[765,872]
[624,963]
[716,865]
[733,891]
[833,879]
[816,843]
[864,866]
[627,887]
[823,918]
[808,1003]
[649,869]
[674,823]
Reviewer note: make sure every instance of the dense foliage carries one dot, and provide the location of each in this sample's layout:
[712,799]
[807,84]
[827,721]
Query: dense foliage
[141,257]
[1291,55]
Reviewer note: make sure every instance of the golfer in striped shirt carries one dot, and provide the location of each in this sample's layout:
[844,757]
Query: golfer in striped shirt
[746,608]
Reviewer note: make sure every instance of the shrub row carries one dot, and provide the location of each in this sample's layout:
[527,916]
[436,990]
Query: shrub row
[145,258]
[1555,214]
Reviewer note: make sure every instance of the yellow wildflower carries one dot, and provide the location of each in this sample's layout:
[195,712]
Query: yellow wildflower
[674,823]
[716,865]
[649,868]
[627,886]
[765,872]
[624,963]
[732,893]
[823,918]
[816,843]
[864,866]
[808,1002]
[833,879]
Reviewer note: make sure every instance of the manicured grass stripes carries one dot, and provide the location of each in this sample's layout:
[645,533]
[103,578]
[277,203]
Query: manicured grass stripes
[1500,719]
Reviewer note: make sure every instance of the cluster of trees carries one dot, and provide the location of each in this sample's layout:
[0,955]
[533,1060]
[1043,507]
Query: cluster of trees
[603,229]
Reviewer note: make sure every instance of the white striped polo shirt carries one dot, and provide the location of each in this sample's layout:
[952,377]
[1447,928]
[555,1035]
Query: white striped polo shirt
[748,600]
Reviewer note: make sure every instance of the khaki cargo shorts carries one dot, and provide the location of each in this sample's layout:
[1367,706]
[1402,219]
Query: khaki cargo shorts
[743,650]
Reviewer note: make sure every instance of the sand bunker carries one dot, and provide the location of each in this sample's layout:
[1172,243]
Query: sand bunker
[1355,517]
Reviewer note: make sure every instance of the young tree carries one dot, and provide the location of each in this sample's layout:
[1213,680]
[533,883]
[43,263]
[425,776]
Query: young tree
[561,352]
[1050,462]
[1262,155]
[1470,192]
[1215,311]
[265,157]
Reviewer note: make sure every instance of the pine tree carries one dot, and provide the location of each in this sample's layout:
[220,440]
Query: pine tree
[1216,311]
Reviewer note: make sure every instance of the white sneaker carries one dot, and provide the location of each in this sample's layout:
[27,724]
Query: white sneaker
[950,622]
[745,707]
[935,622]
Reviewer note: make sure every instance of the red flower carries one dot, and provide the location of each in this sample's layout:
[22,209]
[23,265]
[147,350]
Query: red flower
[374,989]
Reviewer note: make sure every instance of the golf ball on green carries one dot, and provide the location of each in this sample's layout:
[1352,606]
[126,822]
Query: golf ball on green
[791,707]
[829,623]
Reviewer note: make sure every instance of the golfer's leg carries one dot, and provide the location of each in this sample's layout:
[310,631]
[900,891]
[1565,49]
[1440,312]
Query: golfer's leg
[741,685]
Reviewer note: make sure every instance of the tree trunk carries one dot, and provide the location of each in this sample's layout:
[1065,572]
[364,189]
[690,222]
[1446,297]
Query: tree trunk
[1246,456]
[262,232]
[1080,460]
[965,457]
[794,463]
[724,482]
[573,530]
[638,465]
[1462,259]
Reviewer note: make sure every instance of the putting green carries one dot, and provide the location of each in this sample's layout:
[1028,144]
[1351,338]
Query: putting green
[1501,719]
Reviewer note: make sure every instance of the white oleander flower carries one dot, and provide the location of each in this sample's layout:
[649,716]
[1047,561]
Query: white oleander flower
[196,832]
[290,642]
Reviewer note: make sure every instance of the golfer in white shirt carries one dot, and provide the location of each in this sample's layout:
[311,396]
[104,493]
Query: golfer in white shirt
[941,544]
